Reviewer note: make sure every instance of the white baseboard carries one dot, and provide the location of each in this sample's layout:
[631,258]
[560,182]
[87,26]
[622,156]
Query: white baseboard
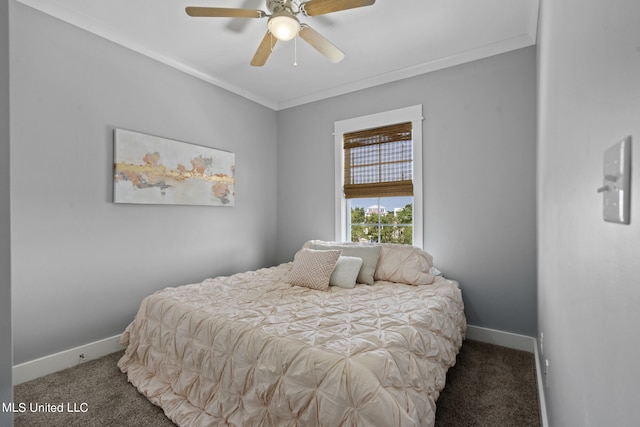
[504,339]
[65,359]
[544,422]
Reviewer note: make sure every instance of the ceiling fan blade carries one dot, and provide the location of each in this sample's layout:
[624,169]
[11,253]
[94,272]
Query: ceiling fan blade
[264,50]
[320,7]
[321,44]
[223,12]
[238,25]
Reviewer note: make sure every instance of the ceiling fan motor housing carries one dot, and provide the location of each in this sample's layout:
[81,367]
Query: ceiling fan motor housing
[281,7]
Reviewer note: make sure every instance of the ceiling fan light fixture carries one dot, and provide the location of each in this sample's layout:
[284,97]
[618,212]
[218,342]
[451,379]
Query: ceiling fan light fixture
[283,27]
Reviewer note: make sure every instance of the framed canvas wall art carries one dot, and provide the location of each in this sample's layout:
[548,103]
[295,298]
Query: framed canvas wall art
[154,170]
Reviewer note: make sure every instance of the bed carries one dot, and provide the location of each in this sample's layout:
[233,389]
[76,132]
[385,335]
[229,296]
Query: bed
[369,347]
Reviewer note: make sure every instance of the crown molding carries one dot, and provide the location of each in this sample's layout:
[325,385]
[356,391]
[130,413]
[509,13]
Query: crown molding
[80,20]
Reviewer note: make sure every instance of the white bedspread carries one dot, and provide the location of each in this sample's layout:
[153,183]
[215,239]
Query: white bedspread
[251,350]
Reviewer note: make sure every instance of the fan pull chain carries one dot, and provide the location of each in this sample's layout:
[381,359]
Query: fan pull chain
[295,51]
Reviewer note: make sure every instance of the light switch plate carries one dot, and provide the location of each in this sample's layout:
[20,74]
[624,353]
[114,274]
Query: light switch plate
[617,176]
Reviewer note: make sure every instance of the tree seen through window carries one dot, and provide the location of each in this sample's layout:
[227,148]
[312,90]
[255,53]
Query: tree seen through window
[379,225]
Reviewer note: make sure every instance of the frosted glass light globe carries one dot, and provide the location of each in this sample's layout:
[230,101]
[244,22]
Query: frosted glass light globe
[283,27]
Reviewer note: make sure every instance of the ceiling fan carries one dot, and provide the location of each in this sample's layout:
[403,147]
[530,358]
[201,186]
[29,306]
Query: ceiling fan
[284,25]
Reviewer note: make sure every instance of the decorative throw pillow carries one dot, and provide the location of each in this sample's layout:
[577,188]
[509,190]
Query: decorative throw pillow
[404,264]
[346,272]
[313,268]
[368,252]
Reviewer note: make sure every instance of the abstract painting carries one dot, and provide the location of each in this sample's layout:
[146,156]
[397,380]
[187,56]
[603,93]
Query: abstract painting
[154,170]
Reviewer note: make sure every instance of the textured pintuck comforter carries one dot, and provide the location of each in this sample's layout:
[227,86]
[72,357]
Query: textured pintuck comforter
[251,350]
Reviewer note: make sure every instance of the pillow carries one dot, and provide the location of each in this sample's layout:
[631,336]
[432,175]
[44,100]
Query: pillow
[404,264]
[368,252]
[313,268]
[346,272]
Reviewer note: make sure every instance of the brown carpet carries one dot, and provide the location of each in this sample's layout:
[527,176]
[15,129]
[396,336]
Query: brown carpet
[489,386]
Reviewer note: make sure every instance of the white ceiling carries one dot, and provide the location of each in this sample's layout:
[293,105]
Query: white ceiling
[391,40]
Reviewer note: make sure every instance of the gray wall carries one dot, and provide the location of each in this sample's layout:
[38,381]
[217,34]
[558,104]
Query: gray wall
[81,264]
[479,178]
[6,388]
[589,298]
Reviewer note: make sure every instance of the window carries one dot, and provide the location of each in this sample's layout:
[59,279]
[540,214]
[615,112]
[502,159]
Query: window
[379,177]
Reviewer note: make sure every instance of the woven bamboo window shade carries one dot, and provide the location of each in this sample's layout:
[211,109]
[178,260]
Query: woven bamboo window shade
[379,162]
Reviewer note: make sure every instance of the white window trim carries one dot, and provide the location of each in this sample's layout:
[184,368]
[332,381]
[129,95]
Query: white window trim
[411,114]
